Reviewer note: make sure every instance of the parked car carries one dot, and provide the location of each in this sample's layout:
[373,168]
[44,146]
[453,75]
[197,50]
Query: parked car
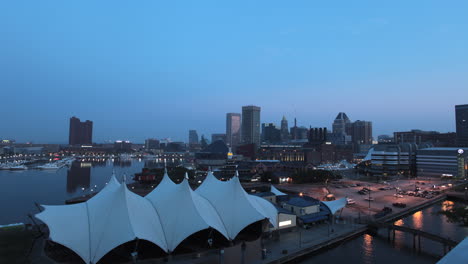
[399,205]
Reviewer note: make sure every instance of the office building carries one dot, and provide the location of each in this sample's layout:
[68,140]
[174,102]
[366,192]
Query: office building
[339,138]
[219,136]
[340,123]
[152,143]
[81,133]
[461,117]
[418,137]
[251,125]
[284,130]
[233,129]
[270,133]
[442,162]
[193,137]
[361,132]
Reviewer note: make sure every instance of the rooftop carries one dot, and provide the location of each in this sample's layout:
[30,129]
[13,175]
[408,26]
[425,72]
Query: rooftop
[302,202]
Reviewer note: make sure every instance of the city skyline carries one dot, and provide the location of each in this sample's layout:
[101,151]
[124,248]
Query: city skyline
[185,66]
[183,134]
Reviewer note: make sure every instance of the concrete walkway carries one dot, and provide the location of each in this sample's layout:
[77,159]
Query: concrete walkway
[301,241]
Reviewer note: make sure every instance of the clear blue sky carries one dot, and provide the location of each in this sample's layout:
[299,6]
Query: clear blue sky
[143,69]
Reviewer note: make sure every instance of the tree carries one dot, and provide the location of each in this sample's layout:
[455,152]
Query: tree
[456,214]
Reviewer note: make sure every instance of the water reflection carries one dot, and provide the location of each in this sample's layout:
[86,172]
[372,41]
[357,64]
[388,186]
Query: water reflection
[447,205]
[368,249]
[417,218]
[122,163]
[78,176]
[399,236]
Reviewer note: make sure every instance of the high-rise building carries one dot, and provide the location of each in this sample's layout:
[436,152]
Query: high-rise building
[81,133]
[193,137]
[217,137]
[270,133]
[251,125]
[233,129]
[284,130]
[361,132]
[299,133]
[461,116]
[340,123]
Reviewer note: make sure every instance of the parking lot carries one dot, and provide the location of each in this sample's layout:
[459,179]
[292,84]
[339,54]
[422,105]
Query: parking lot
[385,194]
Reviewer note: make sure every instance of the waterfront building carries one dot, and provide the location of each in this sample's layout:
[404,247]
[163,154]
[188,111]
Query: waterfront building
[340,123]
[251,125]
[81,133]
[152,143]
[219,136]
[193,137]
[393,159]
[270,133]
[233,129]
[122,146]
[440,162]
[461,117]
[417,136]
[284,130]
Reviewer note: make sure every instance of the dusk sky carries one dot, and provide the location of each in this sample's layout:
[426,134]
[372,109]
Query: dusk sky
[141,69]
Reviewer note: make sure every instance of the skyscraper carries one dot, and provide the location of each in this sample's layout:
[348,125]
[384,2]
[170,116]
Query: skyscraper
[233,129]
[284,130]
[461,116]
[270,133]
[361,132]
[251,125]
[193,137]
[81,133]
[340,123]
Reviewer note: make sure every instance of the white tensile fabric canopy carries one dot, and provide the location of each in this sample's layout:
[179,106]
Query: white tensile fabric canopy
[166,216]
[235,207]
[336,205]
[111,218]
[276,191]
[184,211]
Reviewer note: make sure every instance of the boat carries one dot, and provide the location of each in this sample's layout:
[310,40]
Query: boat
[18,167]
[50,166]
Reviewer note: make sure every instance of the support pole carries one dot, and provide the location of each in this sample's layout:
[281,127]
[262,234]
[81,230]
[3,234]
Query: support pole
[35,224]
[419,243]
